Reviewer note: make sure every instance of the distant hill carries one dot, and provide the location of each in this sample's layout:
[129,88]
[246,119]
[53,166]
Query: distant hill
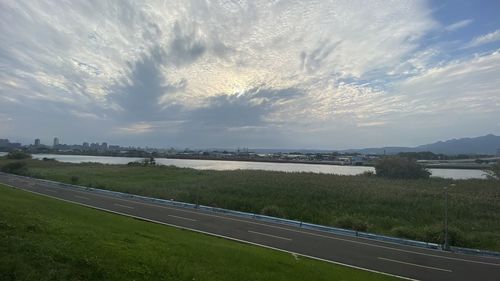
[480,145]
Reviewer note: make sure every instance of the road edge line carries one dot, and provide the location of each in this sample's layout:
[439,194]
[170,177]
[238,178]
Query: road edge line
[215,235]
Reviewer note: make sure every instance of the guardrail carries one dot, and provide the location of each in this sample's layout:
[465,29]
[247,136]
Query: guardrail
[298,224]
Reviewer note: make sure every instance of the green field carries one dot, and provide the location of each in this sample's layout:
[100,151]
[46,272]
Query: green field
[403,208]
[46,239]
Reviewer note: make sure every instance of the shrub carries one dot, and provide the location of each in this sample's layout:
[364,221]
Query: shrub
[272,211]
[350,222]
[144,162]
[368,174]
[493,172]
[75,179]
[404,232]
[18,155]
[400,168]
[149,161]
[14,167]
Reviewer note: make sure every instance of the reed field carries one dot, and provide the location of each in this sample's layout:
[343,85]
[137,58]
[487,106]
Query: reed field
[403,208]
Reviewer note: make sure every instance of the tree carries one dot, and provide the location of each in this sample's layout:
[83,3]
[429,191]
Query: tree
[400,168]
[149,161]
[493,172]
[144,162]
[17,155]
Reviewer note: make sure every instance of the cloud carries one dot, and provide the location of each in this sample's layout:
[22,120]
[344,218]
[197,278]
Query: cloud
[484,39]
[212,73]
[147,128]
[186,45]
[372,124]
[215,47]
[136,128]
[466,86]
[313,60]
[458,25]
[247,109]
[139,95]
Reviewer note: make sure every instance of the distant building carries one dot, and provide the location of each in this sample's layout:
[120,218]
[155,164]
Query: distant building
[85,145]
[6,144]
[56,142]
[114,147]
[498,151]
[37,142]
[94,146]
[104,146]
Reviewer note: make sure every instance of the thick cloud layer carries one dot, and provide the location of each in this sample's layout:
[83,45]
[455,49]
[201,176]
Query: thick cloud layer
[326,74]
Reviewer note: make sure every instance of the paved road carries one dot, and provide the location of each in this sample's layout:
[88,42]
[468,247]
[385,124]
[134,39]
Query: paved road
[403,261]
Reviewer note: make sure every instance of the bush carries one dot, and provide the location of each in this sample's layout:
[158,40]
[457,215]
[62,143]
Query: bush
[149,161]
[14,167]
[493,173]
[144,162]
[400,168]
[272,211]
[350,222]
[368,174]
[18,155]
[75,179]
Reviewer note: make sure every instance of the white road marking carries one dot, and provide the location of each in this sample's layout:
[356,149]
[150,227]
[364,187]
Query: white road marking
[288,229]
[123,206]
[81,197]
[218,235]
[188,219]
[414,264]
[314,234]
[269,235]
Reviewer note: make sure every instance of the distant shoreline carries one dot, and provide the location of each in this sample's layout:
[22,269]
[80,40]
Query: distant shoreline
[429,166]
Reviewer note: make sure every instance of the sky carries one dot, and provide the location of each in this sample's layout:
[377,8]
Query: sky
[257,74]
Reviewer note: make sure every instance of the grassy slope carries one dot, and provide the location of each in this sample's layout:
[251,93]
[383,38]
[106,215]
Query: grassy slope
[45,239]
[404,208]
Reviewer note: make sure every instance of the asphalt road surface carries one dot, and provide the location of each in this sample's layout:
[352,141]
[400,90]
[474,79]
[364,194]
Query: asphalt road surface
[393,259]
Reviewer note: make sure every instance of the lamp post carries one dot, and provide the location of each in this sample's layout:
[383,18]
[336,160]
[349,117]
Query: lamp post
[446,245]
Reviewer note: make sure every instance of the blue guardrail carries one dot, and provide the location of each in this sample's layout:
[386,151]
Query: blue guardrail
[298,224]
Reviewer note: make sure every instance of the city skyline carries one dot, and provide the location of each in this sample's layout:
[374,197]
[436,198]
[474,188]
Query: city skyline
[267,74]
[487,144]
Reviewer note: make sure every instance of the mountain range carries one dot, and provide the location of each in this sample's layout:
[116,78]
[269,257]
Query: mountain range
[488,144]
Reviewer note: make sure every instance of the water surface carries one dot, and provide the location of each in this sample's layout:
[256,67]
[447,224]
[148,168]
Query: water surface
[242,165]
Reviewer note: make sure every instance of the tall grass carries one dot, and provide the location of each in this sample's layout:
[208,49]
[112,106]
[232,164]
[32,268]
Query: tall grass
[403,208]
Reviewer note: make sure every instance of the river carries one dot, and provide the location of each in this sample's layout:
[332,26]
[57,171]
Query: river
[267,166]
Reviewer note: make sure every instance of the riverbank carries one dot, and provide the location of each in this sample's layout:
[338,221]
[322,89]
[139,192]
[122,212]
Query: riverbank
[463,166]
[403,208]
[241,165]
[466,166]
